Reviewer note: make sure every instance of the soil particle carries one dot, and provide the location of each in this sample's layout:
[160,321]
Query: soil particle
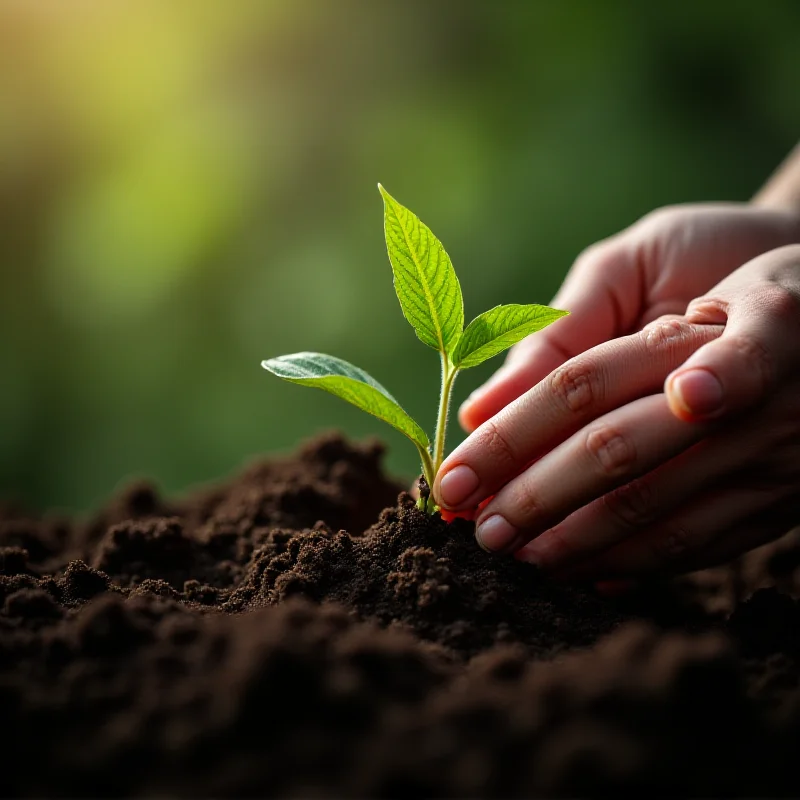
[300,630]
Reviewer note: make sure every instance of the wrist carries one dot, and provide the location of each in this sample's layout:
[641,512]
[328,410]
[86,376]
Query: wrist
[785,214]
[782,191]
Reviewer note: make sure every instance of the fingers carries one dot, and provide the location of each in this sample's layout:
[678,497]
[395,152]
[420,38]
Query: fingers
[603,294]
[609,452]
[747,535]
[605,378]
[758,349]
[716,527]
[621,513]
[640,504]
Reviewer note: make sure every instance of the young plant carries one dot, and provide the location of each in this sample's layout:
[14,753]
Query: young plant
[430,297]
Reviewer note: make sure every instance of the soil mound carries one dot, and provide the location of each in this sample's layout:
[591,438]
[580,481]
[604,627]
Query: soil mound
[414,571]
[300,630]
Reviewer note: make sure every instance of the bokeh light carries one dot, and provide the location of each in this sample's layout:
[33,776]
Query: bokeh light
[189,187]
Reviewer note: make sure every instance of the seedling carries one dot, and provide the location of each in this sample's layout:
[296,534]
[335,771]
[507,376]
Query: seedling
[430,297]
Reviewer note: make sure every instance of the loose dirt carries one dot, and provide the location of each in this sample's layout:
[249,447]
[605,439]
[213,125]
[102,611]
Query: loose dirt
[302,630]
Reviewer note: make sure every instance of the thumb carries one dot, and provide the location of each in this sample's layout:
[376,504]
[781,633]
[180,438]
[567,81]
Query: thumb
[759,348]
[601,292]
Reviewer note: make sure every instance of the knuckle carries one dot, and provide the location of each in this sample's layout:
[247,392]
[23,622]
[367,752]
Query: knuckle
[610,450]
[631,505]
[779,303]
[754,354]
[527,506]
[665,334]
[497,445]
[575,385]
[672,543]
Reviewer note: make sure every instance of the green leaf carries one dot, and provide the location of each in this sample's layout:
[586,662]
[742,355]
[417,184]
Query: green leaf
[424,278]
[497,329]
[348,382]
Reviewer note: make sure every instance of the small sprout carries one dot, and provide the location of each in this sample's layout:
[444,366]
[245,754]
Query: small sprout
[430,297]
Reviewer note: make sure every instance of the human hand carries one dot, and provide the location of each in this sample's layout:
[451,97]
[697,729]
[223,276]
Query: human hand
[601,473]
[617,286]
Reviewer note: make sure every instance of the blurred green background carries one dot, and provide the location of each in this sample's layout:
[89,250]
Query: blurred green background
[189,187]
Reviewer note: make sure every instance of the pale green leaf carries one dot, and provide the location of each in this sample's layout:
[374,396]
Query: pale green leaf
[424,278]
[497,329]
[347,381]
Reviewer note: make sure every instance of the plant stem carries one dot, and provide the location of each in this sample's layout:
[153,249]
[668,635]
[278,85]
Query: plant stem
[426,503]
[430,465]
[427,465]
[449,373]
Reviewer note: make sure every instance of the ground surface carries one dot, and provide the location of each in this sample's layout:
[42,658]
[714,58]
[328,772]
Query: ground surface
[280,634]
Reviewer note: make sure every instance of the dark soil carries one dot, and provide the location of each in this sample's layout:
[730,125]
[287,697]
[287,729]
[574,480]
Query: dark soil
[282,634]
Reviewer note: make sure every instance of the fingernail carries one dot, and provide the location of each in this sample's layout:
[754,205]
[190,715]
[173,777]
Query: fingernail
[697,392]
[495,533]
[457,485]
